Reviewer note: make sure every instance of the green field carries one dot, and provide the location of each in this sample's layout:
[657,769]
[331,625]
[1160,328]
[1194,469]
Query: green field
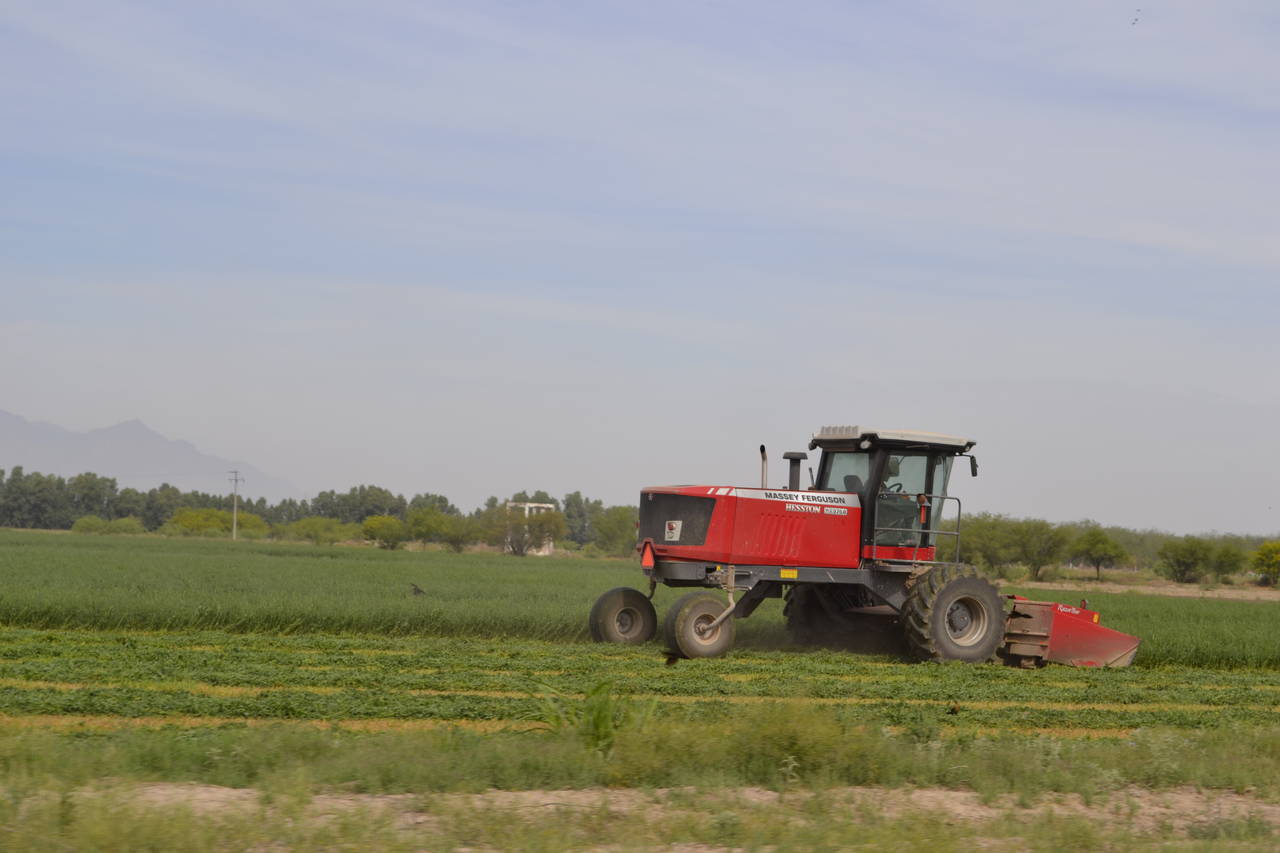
[315,669]
[54,580]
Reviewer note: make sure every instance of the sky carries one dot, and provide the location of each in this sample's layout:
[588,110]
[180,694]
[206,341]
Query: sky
[474,248]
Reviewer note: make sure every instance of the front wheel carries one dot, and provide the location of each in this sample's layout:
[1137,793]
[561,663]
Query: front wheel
[623,615]
[688,627]
[952,614]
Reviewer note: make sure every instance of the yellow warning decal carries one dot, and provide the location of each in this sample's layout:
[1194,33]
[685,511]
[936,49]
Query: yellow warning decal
[790,573]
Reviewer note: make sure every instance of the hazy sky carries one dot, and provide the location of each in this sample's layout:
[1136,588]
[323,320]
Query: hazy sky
[479,247]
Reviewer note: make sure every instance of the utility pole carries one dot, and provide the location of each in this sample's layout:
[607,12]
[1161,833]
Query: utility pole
[235,479]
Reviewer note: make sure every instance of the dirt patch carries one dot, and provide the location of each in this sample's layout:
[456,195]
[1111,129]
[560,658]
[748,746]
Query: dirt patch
[107,722]
[1135,810]
[1169,588]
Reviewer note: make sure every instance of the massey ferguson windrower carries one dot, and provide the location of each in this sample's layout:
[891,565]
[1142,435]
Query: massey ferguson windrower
[863,546]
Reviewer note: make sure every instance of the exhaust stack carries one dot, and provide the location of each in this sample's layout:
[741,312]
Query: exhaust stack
[793,475]
[764,468]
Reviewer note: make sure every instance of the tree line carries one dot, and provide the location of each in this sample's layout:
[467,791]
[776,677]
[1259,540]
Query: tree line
[1000,544]
[96,504]
[92,503]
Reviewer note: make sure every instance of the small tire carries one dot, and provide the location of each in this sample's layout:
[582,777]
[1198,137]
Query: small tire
[684,622]
[623,615]
[953,614]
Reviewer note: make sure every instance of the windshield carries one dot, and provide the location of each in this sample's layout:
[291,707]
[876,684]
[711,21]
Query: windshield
[846,472]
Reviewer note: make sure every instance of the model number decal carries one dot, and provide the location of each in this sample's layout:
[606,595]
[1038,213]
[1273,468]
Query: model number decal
[835,510]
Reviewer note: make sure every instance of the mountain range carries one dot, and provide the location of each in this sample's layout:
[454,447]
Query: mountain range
[131,452]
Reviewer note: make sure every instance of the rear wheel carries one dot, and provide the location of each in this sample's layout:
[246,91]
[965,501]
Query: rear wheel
[688,627]
[952,614]
[623,615]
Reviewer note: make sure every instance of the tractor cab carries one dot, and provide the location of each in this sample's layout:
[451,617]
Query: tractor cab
[900,479]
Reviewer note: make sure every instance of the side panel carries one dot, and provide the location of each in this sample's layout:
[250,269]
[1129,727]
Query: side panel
[788,528]
[752,526]
[681,535]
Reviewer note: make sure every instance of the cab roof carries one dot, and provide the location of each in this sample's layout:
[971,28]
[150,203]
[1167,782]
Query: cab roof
[844,435]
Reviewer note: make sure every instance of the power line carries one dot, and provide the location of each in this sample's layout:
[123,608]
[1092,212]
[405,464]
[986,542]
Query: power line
[235,480]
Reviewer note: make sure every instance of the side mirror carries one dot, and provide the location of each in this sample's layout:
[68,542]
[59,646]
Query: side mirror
[973,466]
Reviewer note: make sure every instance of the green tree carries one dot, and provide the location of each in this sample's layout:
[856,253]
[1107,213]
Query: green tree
[91,495]
[36,501]
[985,540]
[538,497]
[1097,549]
[427,524]
[544,528]
[578,515]
[512,529]
[1036,544]
[427,500]
[129,502]
[1227,559]
[1184,559]
[387,531]
[160,505]
[615,530]
[459,531]
[359,503]
[1266,562]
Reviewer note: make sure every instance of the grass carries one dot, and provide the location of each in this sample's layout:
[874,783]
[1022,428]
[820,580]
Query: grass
[157,583]
[658,820]
[768,746]
[296,670]
[66,581]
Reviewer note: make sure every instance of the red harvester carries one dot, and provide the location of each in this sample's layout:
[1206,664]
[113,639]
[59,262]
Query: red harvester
[863,541]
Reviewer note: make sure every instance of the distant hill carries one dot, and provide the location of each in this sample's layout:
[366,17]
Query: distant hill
[131,452]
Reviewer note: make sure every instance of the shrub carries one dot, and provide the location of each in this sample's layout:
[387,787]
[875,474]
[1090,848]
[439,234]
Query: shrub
[1266,562]
[130,525]
[189,521]
[387,531]
[89,524]
[323,531]
[1184,560]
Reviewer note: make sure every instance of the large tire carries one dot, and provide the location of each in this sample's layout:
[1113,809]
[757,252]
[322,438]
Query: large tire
[623,615]
[687,616]
[952,614]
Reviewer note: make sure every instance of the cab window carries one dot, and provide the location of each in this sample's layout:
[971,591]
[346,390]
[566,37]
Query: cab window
[907,474]
[846,472]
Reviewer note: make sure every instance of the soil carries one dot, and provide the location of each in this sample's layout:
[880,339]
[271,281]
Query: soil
[1177,590]
[1135,810]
